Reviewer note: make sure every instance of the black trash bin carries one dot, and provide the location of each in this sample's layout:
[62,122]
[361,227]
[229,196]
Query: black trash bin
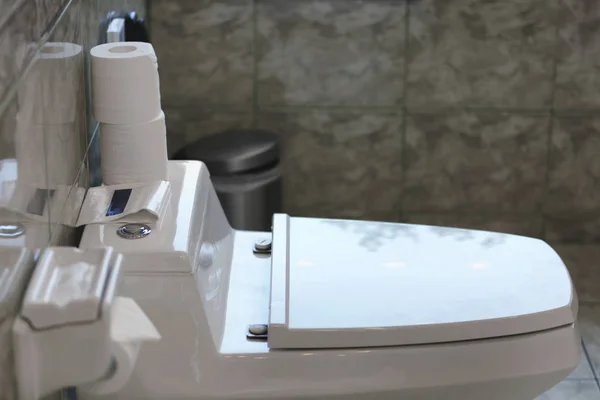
[244,169]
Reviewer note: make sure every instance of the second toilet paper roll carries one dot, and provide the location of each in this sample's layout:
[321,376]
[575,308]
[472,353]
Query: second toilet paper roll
[125,83]
[124,356]
[135,153]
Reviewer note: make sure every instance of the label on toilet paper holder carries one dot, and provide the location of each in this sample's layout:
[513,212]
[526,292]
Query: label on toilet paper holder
[125,203]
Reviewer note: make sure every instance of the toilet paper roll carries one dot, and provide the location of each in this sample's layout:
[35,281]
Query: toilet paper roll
[52,91]
[129,328]
[135,153]
[125,83]
[124,357]
[48,156]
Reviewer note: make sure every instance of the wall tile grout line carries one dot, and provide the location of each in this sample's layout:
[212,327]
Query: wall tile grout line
[549,152]
[390,108]
[543,233]
[554,75]
[403,151]
[148,6]
[255,106]
[586,354]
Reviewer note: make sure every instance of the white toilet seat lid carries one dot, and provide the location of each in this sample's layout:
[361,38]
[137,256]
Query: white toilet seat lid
[340,284]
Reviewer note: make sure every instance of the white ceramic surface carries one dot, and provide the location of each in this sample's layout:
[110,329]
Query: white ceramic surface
[201,285]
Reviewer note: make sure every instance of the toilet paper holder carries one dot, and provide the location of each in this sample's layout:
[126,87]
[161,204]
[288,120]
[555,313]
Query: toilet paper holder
[67,318]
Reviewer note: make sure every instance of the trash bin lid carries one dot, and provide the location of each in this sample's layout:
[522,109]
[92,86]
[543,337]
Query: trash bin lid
[233,151]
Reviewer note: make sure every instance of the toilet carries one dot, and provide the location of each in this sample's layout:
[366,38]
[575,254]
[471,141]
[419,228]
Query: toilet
[337,309]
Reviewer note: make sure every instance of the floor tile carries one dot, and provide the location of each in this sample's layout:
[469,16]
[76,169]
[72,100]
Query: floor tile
[328,163]
[204,50]
[188,124]
[573,390]
[584,370]
[577,79]
[573,182]
[589,323]
[473,52]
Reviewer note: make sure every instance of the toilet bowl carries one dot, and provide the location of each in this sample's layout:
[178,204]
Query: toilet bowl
[336,309]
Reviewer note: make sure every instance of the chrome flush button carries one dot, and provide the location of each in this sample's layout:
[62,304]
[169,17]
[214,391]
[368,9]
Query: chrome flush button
[11,230]
[134,231]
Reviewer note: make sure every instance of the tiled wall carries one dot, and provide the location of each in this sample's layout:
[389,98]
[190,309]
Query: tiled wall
[482,114]
[26,28]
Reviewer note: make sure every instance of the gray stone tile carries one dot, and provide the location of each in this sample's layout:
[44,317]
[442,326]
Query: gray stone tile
[574,176]
[584,369]
[573,227]
[475,162]
[583,263]
[187,124]
[474,53]
[340,164]
[204,50]
[524,225]
[330,52]
[573,390]
[589,324]
[578,49]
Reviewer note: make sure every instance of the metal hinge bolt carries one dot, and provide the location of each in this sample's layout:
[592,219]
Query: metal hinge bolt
[258,331]
[263,246]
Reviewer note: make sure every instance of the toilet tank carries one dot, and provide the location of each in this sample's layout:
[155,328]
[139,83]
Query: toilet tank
[189,251]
